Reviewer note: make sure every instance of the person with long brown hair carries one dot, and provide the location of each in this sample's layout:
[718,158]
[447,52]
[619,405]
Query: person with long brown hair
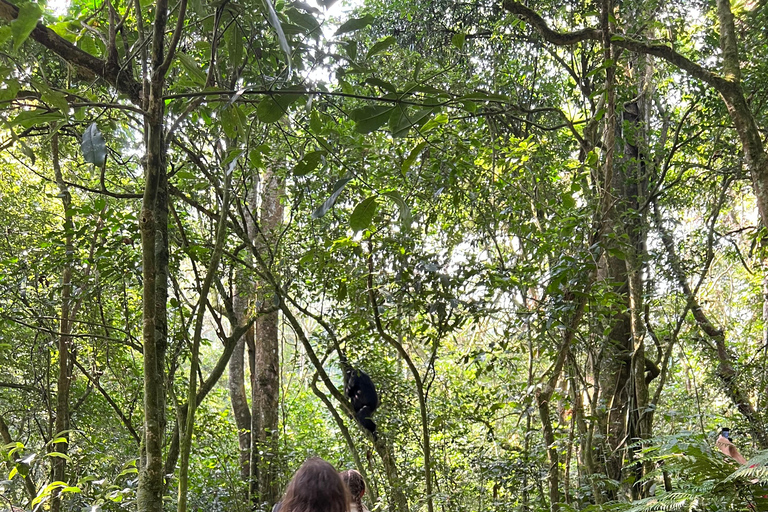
[356,485]
[315,487]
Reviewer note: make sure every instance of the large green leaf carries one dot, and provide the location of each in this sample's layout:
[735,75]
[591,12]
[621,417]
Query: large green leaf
[411,158]
[273,108]
[193,68]
[93,147]
[308,163]
[275,22]
[371,118]
[401,120]
[35,117]
[354,24]
[405,211]
[324,208]
[380,46]
[305,20]
[362,215]
[25,23]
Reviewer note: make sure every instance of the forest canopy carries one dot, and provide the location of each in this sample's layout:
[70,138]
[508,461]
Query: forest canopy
[537,229]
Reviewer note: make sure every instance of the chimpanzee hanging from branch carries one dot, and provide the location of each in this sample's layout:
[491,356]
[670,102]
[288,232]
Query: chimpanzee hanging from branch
[361,392]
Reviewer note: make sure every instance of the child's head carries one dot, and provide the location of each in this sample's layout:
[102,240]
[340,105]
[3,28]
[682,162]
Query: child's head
[316,487]
[355,484]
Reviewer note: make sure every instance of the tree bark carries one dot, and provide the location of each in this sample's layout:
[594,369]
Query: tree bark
[153,227]
[265,379]
[65,326]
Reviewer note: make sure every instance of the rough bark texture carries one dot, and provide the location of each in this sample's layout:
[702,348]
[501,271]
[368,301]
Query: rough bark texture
[153,226]
[243,300]
[65,327]
[265,380]
[237,395]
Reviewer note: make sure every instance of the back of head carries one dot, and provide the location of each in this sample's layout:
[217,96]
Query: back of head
[356,486]
[316,487]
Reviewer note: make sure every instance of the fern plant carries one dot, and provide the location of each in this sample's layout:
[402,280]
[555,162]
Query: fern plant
[703,479]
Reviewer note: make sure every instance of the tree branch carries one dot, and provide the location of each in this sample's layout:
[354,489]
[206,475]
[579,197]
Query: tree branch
[124,83]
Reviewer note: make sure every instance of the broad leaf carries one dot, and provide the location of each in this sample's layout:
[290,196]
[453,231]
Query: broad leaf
[411,158]
[371,118]
[381,84]
[362,215]
[25,23]
[458,40]
[305,20]
[405,211]
[355,24]
[324,208]
[401,120]
[380,46]
[273,108]
[193,68]
[308,163]
[275,22]
[93,147]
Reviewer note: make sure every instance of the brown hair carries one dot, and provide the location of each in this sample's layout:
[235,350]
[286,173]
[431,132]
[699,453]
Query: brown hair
[316,487]
[356,486]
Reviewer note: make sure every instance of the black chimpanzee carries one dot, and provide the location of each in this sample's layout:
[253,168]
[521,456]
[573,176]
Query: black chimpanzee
[359,387]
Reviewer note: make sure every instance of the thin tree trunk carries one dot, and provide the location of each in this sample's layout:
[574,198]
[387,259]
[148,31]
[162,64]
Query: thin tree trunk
[265,380]
[237,395]
[65,325]
[149,496]
[243,300]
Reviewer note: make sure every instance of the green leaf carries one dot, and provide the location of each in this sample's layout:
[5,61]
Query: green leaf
[25,23]
[93,147]
[362,215]
[10,89]
[405,211]
[275,22]
[273,108]
[5,34]
[567,200]
[430,125]
[380,46]
[195,73]
[308,163]
[411,158]
[59,455]
[56,99]
[381,84]
[234,40]
[401,121]
[324,208]
[371,118]
[35,117]
[354,24]
[305,20]
[458,40]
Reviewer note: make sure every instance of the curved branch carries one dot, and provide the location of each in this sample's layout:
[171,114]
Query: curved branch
[124,82]
[662,51]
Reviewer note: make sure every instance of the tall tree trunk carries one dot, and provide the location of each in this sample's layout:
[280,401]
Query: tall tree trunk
[265,379]
[65,326]
[243,300]
[237,394]
[153,223]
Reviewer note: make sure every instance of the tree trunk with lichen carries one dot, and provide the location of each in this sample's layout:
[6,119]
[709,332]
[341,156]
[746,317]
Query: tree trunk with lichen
[265,376]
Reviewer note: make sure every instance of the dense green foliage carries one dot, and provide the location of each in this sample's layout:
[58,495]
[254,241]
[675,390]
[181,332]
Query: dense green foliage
[548,254]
